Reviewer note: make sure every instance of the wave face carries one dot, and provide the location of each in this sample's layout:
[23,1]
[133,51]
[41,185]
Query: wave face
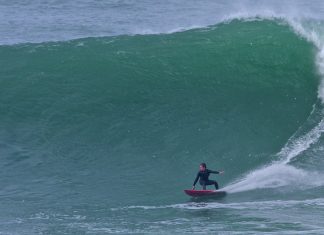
[110,122]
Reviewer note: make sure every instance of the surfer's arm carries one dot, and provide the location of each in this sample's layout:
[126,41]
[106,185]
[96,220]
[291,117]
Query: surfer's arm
[195,182]
[216,172]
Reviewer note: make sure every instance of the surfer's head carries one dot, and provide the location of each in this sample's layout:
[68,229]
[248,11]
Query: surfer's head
[202,166]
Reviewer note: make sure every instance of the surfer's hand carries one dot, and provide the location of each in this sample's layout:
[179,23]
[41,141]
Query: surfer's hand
[221,172]
[193,187]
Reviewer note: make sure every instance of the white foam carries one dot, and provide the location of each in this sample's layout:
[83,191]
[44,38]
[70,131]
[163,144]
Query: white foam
[313,33]
[280,173]
[274,176]
[257,205]
[296,146]
[320,65]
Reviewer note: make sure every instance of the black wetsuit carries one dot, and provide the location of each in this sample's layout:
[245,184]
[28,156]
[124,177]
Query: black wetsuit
[203,175]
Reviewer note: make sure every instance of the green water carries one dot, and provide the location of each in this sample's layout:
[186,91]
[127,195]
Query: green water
[101,135]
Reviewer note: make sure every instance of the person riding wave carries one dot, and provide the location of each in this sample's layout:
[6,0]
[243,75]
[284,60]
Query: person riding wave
[203,174]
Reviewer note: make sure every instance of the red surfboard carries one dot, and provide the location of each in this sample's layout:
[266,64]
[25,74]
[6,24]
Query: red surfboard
[201,193]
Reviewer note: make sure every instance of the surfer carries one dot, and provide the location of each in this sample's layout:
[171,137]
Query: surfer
[203,174]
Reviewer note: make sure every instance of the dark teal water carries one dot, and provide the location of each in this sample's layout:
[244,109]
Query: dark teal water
[101,135]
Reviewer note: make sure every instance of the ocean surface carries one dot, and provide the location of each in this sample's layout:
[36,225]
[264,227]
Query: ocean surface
[108,107]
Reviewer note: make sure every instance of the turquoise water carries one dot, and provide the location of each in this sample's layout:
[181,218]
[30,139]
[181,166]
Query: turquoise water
[101,135]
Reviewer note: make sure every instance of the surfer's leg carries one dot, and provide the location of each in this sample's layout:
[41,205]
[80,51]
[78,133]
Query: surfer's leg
[212,182]
[203,184]
[216,185]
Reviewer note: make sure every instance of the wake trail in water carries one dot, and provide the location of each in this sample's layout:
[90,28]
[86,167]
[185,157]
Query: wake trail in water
[280,173]
[272,205]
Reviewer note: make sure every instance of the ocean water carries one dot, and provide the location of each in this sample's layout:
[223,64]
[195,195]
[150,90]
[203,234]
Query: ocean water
[108,107]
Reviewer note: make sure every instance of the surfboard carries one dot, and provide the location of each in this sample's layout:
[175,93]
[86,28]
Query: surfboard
[201,193]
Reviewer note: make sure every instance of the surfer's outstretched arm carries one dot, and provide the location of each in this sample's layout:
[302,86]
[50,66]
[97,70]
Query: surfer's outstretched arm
[216,172]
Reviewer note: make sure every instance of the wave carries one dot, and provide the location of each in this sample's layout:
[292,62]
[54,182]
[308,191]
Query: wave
[230,95]
[102,133]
